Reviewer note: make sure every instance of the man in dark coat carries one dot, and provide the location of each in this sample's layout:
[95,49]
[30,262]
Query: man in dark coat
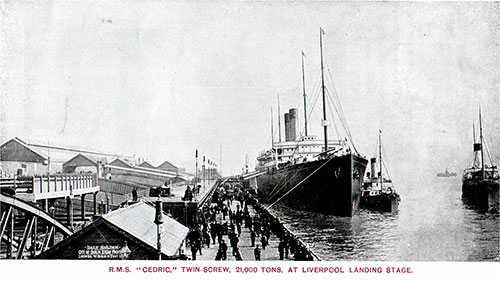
[281,249]
[263,241]
[252,237]
[213,231]
[223,247]
[233,239]
[194,249]
[256,253]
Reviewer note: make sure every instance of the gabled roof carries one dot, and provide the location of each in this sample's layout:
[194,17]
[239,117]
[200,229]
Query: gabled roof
[138,221]
[135,222]
[81,160]
[120,163]
[17,150]
[146,165]
[167,166]
[56,155]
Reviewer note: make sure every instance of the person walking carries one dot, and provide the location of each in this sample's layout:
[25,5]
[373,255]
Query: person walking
[224,212]
[252,237]
[199,239]
[238,228]
[194,249]
[218,256]
[256,253]
[237,255]
[223,247]
[281,249]
[206,237]
[233,239]
[219,235]
[213,231]
[286,247]
[263,241]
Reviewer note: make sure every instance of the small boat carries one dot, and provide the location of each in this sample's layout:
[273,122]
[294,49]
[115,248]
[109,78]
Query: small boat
[378,193]
[480,182]
[446,174]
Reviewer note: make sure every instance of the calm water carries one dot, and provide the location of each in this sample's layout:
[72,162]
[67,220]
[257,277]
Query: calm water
[432,225]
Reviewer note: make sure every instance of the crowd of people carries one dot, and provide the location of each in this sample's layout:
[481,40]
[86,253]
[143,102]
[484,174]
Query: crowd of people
[225,218]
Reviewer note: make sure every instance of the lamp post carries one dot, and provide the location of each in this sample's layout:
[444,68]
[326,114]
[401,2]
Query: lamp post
[204,172]
[196,176]
[158,221]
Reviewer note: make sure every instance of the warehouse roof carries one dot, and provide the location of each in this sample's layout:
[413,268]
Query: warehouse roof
[167,166]
[138,221]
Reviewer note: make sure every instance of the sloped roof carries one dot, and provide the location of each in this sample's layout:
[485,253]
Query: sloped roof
[167,166]
[121,163]
[42,152]
[17,150]
[56,155]
[81,160]
[138,221]
[146,165]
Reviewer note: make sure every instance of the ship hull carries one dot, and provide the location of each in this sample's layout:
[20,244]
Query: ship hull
[329,186]
[384,203]
[482,194]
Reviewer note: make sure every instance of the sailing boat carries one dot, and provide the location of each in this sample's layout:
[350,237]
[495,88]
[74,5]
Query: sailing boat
[378,193]
[480,183]
[305,173]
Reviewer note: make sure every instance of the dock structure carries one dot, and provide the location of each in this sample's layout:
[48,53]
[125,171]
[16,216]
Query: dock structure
[270,253]
[28,210]
[236,199]
[30,225]
[188,212]
[125,233]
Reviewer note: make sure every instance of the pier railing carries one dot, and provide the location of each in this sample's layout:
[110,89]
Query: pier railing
[204,198]
[49,186]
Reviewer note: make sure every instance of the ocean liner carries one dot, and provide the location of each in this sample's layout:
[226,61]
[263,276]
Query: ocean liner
[306,173]
[480,183]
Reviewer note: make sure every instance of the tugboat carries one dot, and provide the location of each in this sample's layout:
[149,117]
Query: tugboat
[446,174]
[480,183]
[378,193]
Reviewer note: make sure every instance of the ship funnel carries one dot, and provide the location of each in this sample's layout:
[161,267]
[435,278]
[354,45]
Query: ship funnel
[287,127]
[373,161]
[477,147]
[291,125]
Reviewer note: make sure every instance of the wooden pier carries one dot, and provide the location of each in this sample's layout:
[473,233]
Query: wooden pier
[28,216]
[245,247]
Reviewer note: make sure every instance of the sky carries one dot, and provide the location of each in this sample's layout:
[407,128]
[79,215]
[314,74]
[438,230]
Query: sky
[159,80]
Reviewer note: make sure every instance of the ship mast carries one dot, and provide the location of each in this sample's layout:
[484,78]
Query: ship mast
[272,129]
[304,91]
[474,142]
[380,157]
[481,141]
[279,119]
[324,121]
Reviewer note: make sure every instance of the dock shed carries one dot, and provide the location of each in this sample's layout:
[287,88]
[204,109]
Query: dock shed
[82,163]
[127,233]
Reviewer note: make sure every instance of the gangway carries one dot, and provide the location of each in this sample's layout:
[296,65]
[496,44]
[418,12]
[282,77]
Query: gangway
[253,174]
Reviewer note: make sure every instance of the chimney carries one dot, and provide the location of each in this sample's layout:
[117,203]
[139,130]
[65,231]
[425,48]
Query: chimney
[292,115]
[373,161]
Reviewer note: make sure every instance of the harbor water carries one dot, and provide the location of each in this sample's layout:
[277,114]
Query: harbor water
[432,224]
